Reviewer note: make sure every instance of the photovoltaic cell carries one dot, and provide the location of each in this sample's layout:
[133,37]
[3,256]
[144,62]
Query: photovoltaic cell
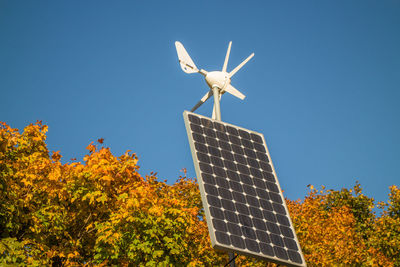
[244,206]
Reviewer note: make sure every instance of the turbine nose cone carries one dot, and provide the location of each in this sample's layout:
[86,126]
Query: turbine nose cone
[217,78]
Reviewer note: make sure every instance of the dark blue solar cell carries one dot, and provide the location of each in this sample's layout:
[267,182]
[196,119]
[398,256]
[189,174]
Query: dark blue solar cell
[235,186]
[259,183]
[200,147]
[253,163]
[245,179]
[294,256]
[196,128]
[222,182]
[233,175]
[194,119]
[209,132]
[272,187]
[276,240]
[224,145]
[212,142]
[256,212]
[227,155]
[250,153]
[275,197]
[244,134]
[219,225]
[224,193]
[256,138]
[205,167]
[207,123]
[262,193]
[235,140]
[263,236]
[239,197]
[266,205]
[269,176]
[262,157]
[199,138]
[290,243]
[222,238]
[228,205]
[249,190]
[247,144]
[259,224]
[222,136]
[237,241]
[214,151]
[282,220]
[248,232]
[286,231]
[281,253]
[214,201]
[231,216]
[269,216]
[208,179]
[256,173]
[237,149]
[211,190]
[259,147]
[252,201]
[217,213]
[245,220]
[279,208]
[230,165]
[242,209]
[217,161]
[265,166]
[267,249]
[240,159]
[234,229]
[243,169]
[252,245]
[273,228]
[203,157]
[219,127]
[218,171]
[231,130]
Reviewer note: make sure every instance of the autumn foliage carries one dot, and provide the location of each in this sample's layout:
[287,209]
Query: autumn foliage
[103,212]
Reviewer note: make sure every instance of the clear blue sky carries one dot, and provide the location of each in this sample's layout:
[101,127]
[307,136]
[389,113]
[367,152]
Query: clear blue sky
[323,87]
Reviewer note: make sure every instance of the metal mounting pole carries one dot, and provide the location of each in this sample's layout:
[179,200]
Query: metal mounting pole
[232,259]
[217,108]
[216,103]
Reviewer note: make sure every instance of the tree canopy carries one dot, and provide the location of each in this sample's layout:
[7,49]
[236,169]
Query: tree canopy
[101,211]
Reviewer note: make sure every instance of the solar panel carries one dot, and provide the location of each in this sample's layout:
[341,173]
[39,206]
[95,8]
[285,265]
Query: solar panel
[243,202]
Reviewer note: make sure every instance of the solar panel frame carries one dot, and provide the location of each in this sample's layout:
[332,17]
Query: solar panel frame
[204,187]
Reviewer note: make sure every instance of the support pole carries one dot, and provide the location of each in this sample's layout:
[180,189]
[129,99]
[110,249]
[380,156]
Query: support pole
[217,110]
[232,259]
[216,103]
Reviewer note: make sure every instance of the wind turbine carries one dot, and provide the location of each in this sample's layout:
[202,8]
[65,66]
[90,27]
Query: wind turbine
[218,81]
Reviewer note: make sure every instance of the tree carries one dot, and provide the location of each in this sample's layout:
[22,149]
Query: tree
[101,211]
[386,231]
[328,224]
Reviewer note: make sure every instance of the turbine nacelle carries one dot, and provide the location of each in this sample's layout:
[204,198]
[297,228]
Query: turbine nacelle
[218,81]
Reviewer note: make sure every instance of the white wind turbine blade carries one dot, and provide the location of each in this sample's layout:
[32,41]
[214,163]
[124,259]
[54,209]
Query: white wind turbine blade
[203,99]
[227,57]
[240,65]
[186,62]
[232,90]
